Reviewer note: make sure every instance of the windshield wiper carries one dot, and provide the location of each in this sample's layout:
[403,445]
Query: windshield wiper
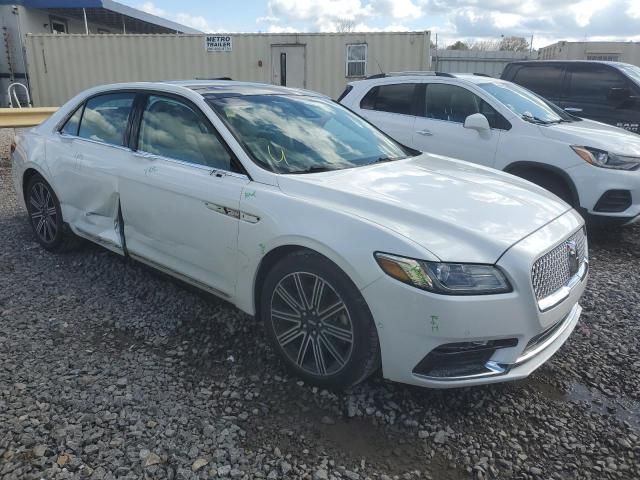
[385,159]
[314,169]
[533,119]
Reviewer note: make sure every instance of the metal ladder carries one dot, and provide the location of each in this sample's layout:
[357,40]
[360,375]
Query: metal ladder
[11,92]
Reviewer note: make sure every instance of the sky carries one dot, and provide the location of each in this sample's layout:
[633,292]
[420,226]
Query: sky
[469,20]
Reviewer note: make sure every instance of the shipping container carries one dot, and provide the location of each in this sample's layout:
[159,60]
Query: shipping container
[60,66]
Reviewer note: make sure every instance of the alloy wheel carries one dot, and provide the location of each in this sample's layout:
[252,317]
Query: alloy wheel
[312,323]
[43,211]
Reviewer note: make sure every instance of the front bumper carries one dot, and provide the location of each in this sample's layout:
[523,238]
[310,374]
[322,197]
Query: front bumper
[592,183]
[412,324]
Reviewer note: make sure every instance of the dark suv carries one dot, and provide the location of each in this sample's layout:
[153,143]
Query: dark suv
[607,92]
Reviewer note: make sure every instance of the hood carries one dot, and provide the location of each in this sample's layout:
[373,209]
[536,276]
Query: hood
[458,211]
[588,133]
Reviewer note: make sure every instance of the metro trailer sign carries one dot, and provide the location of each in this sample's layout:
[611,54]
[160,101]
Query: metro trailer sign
[218,43]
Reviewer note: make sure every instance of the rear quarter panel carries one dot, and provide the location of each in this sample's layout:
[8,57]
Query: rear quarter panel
[30,153]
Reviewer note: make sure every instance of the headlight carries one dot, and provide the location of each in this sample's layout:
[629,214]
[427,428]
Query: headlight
[603,159]
[445,278]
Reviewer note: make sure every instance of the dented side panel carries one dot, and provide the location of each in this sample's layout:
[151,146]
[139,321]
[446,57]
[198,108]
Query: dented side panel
[85,177]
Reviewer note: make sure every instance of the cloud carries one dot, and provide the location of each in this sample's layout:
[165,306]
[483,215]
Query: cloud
[282,29]
[267,19]
[396,9]
[149,7]
[547,20]
[194,21]
[328,15]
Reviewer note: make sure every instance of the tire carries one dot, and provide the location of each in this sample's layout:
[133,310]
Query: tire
[45,216]
[328,338]
[548,181]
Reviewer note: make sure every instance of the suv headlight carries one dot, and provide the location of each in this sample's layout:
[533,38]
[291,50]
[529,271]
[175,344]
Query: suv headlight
[603,159]
[445,278]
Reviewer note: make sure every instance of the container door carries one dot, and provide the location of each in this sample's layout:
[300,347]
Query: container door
[288,65]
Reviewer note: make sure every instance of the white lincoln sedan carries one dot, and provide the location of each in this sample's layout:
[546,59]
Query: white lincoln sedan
[355,252]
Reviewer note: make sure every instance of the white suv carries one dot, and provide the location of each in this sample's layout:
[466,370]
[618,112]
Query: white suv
[592,166]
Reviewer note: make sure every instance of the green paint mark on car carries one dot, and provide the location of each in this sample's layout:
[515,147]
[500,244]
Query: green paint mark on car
[434,323]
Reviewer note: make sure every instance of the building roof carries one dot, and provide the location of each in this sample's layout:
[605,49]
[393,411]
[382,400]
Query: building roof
[108,13]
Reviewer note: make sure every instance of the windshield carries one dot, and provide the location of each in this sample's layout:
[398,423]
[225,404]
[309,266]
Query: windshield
[525,103]
[300,134]
[632,71]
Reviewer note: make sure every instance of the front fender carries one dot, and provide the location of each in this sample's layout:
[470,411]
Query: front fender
[347,240]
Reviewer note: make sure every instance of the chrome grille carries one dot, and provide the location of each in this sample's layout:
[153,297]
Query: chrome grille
[551,271]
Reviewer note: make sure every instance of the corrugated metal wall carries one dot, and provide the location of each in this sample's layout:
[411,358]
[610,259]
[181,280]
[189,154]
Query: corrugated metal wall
[476,61]
[60,66]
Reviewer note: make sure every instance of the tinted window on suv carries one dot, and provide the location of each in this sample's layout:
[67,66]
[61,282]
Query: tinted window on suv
[455,104]
[395,98]
[105,118]
[545,80]
[593,83]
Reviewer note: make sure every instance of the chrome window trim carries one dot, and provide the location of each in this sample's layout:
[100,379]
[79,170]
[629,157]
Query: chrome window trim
[199,166]
[153,156]
[90,140]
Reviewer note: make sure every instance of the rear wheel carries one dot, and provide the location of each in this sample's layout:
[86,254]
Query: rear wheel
[318,322]
[46,219]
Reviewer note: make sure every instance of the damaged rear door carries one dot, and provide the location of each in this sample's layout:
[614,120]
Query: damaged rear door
[86,158]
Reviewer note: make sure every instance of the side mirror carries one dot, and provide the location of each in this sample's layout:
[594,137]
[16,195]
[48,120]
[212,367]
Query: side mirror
[478,122]
[618,94]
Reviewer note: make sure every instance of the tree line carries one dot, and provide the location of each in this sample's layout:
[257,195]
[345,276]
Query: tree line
[511,44]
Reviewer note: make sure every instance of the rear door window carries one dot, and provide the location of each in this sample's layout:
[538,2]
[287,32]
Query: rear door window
[393,98]
[592,84]
[105,118]
[545,80]
[71,126]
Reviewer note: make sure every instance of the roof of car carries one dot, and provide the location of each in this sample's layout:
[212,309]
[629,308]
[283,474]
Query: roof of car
[419,77]
[474,78]
[533,62]
[232,88]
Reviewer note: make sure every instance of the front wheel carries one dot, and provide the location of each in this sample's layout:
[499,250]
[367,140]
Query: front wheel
[318,322]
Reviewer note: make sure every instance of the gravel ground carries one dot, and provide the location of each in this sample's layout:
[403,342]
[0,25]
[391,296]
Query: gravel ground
[110,370]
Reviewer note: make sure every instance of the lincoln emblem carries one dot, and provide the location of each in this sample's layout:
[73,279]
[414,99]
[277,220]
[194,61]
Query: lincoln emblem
[574,262]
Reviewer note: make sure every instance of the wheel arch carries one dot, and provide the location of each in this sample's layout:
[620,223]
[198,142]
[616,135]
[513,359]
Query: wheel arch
[523,166]
[27,175]
[273,256]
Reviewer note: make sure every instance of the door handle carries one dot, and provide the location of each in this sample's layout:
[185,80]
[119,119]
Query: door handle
[426,132]
[573,110]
